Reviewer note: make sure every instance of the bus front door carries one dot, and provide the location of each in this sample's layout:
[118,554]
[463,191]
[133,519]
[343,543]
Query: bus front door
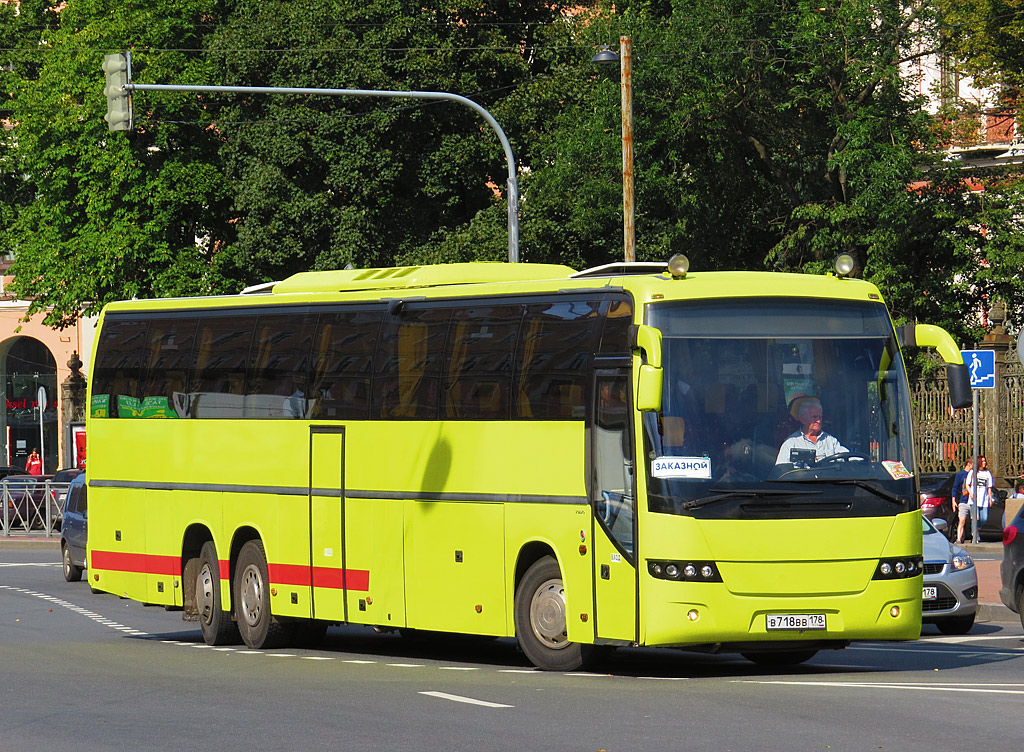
[612,491]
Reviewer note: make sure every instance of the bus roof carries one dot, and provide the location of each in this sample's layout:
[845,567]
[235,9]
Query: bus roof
[343,280]
[500,278]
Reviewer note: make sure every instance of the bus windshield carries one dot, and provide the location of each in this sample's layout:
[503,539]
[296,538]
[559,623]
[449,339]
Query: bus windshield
[779,408]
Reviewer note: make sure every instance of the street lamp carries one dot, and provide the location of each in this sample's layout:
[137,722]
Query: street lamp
[625,60]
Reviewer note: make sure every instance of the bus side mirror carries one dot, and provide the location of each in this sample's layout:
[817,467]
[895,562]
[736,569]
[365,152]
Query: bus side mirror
[648,387]
[928,335]
[959,380]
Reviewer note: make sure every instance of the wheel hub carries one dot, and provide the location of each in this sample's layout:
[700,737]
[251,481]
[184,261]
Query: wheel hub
[252,595]
[547,614]
[204,593]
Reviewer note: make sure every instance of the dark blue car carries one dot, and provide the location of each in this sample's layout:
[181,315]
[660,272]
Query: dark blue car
[73,530]
[1012,568]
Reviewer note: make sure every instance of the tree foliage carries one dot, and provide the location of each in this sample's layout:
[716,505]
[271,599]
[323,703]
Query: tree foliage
[767,135]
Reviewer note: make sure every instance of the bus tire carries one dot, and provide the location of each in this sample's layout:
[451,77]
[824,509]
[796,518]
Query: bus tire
[256,623]
[780,657]
[540,617]
[72,573]
[215,622]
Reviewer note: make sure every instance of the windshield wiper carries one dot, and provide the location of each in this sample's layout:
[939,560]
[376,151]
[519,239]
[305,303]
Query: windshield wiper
[867,485]
[721,494]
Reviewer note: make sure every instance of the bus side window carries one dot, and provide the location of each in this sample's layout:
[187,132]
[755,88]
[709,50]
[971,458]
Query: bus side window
[222,350]
[557,343]
[343,349]
[119,369]
[169,360]
[408,366]
[617,319]
[478,379]
[276,379]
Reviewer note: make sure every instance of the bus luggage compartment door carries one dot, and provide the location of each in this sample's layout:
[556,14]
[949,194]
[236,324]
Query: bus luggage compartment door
[327,522]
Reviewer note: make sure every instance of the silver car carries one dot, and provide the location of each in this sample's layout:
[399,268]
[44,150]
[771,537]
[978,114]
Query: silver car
[950,583]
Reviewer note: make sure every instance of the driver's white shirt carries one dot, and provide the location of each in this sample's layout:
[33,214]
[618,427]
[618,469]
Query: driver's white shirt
[825,446]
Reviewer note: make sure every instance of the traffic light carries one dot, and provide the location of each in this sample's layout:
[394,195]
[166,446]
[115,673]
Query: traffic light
[119,103]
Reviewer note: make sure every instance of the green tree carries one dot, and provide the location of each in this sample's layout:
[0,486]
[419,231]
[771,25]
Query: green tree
[111,216]
[322,182]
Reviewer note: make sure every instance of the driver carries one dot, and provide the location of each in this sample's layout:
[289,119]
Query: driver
[807,410]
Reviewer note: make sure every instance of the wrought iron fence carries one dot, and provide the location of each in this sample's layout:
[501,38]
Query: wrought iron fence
[943,436]
[31,507]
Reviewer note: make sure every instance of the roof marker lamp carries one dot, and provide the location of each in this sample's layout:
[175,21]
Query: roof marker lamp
[678,266]
[844,265]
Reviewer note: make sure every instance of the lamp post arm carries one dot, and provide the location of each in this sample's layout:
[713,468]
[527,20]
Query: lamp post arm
[513,186]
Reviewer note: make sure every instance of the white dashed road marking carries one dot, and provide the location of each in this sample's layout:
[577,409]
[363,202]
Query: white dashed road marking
[998,689]
[466,700]
[98,618]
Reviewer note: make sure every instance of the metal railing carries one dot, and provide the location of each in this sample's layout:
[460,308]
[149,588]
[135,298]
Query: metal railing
[31,509]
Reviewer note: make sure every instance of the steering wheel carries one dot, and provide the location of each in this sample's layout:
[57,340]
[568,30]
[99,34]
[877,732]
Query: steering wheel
[843,457]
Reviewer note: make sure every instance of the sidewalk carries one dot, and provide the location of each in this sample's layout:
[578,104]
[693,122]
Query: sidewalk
[990,608]
[32,542]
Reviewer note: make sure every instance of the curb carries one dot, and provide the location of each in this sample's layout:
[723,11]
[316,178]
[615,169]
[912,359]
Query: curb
[995,612]
[29,543]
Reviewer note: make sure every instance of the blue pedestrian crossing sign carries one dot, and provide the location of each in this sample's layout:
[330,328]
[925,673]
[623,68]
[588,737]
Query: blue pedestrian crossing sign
[981,365]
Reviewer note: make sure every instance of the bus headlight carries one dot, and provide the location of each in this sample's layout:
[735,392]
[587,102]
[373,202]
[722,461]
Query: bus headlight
[684,571]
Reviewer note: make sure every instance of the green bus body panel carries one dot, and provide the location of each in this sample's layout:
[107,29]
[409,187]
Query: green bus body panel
[406,545]
[425,524]
[455,574]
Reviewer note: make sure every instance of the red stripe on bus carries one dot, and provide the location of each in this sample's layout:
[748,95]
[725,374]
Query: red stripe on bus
[142,563]
[325,577]
[224,567]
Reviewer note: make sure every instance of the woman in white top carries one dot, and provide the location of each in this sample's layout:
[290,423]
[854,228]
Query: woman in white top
[981,492]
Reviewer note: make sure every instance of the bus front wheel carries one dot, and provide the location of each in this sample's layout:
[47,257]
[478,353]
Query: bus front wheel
[256,624]
[218,629]
[540,616]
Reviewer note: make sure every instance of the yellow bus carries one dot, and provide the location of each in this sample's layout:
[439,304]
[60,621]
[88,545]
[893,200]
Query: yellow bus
[578,460]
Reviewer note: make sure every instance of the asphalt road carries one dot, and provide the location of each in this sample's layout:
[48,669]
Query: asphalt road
[88,671]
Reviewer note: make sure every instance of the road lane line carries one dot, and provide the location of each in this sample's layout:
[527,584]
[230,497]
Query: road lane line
[971,638]
[466,700]
[973,689]
[665,678]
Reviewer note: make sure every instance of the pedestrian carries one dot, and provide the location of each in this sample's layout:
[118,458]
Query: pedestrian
[34,463]
[961,502]
[981,489]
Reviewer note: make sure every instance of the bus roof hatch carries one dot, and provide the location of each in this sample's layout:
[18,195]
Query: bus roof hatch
[419,276]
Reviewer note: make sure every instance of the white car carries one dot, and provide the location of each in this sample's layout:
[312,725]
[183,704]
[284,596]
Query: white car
[950,596]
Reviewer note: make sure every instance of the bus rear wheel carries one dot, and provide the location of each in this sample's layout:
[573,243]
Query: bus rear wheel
[541,622]
[216,623]
[256,624]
